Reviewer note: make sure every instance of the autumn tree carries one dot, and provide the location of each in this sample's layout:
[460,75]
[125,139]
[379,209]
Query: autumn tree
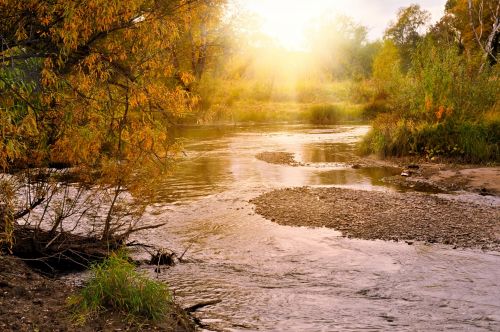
[91,84]
[477,22]
[203,37]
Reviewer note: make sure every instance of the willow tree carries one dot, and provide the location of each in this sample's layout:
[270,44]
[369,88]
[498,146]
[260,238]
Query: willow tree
[90,84]
[202,37]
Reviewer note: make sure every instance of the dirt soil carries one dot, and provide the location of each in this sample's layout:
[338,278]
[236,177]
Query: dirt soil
[279,158]
[32,302]
[446,175]
[387,216]
[482,180]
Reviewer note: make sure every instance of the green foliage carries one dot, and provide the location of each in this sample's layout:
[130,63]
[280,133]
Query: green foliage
[467,141]
[445,84]
[360,92]
[372,109]
[445,106]
[115,285]
[342,48]
[324,114]
[405,32]
[387,68]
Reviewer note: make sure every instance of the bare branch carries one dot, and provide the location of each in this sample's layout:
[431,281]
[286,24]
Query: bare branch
[33,205]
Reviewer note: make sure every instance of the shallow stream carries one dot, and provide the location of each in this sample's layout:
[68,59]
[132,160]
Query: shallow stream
[277,278]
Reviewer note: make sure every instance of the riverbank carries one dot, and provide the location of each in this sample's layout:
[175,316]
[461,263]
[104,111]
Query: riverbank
[388,216]
[32,302]
[450,176]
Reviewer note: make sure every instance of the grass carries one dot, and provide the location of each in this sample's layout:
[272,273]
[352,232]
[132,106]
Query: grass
[373,108]
[288,112]
[116,285]
[467,141]
[240,101]
[262,112]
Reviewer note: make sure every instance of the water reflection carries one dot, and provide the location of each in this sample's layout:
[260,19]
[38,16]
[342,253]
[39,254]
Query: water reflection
[218,158]
[196,177]
[327,153]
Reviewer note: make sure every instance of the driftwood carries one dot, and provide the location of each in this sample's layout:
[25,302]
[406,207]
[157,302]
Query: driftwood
[163,257]
[200,305]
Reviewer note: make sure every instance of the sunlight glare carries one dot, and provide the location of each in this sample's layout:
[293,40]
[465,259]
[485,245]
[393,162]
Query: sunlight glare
[286,21]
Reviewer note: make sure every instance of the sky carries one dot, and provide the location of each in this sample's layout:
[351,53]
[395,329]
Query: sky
[286,20]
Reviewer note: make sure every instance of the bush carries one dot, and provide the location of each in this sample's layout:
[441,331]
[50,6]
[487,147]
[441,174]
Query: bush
[374,108]
[115,285]
[323,114]
[331,114]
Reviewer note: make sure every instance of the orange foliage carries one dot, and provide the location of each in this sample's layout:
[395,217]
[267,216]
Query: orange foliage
[107,76]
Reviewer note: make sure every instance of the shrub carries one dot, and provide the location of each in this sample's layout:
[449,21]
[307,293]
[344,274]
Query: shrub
[374,108]
[467,141]
[115,285]
[323,114]
[331,114]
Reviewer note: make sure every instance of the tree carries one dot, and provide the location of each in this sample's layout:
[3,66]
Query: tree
[478,24]
[387,68]
[90,84]
[444,32]
[406,31]
[342,47]
[203,37]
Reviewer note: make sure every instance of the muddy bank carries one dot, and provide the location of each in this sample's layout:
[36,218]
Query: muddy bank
[482,180]
[32,302]
[443,176]
[29,301]
[279,158]
[385,216]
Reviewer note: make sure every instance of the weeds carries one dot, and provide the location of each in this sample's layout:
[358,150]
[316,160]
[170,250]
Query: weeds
[372,109]
[466,141]
[117,286]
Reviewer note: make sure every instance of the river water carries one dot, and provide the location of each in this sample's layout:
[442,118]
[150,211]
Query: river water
[268,277]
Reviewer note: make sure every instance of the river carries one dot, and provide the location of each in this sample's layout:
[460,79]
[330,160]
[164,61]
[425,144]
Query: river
[269,277]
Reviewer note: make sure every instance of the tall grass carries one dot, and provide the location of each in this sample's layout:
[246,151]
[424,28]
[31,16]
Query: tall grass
[117,286]
[465,141]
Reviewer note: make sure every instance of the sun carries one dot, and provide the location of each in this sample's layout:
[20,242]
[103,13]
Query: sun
[287,21]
